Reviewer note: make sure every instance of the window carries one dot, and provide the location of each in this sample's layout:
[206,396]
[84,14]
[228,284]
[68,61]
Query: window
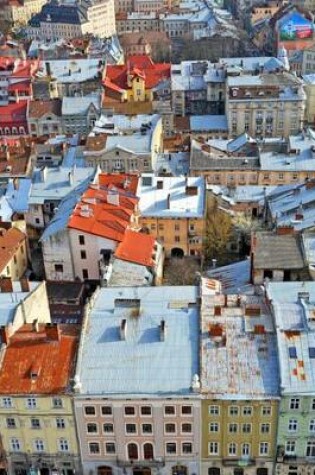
[146,411]
[213,427]
[169,410]
[214,410]
[39,445]
[35,423]
[246,428]
[63,445]
[11,423]
[233,411]
[15,445]
[233,428]
[293,425]
[110,448]
[295,403]
[186,410]
[292,352]
[312,425]
[310,448]
[186,428]
[130,411]
[89,410]
[177,238]
[108,428]
[131,428]
[170,428]
[85,274]
[266,411]
[83,254]
[58,268]
[312,404]
[60,423]
[107,410]
[31,403]
[57,402]
[246,449]
[187,448]
[7,402]
[247,411]
[147,429]
[132,451]
[171,448]
[232,449]
[213,448]
[264,428]
[94,448]
[81,240]
[290,447]
[263,448]
[91,428]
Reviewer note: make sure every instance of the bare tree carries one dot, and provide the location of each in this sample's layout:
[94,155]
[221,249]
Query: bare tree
[181,271]
[218,231]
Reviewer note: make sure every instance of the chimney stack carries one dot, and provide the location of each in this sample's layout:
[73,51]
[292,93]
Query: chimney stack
[162,330]
[52,331]
[123,329]
[25,285]
[35,325]
[6,284]
[4,335]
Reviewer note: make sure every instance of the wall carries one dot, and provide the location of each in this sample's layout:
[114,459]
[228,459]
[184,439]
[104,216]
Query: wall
[56,251]
[34,307]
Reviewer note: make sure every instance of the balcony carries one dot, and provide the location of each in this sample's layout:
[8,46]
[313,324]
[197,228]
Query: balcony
[238,461]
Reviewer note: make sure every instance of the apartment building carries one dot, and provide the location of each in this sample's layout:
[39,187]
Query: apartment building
[73,20]
[293,309]
[173,210]
[44,118]
[38,428]
[19,13]
[136,403]
[79,114]
[267,105]
[13,257]
[239,384]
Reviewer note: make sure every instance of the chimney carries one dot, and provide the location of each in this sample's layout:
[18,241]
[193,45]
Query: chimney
[52,331]
[284,230]
[25,285]
[48,70]
[159,185]
[162,330]
[168,201]
[195,385]
[35,325]
[6,284]
[113,197]
[16,184]
[43,174]
[70,177]
[123,329]
[4,335]
[7,153]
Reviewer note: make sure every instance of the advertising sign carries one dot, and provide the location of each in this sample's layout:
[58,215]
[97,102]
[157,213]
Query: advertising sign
[296,27]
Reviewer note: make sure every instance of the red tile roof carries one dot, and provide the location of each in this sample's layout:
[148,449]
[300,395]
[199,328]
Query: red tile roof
[140,65]
[52,358]
[14,113]
[105,209]
[123,181]
[10,241]
[137,248]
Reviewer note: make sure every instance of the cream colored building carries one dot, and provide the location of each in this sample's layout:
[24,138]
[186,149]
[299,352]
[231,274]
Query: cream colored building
[13,257]
[309,81]
[19,13]
[267,105]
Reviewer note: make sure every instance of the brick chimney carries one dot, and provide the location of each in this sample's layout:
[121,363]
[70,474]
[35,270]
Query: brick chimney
[52,332]
[4,334]
[25,285]
[282,230]
[6,284]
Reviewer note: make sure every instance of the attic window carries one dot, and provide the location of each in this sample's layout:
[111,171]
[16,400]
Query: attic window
[292,352]
[311,352]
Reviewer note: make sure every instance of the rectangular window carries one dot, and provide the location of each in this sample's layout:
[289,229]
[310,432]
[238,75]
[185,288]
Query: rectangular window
[146,410]
[11,423]
[293,425]
[110,448]
[169,410]
[232,449]
[57,403]
[90,410]
[63,445]
[108,428]
[107,410]
[92,428]
[246,428]
[246,449]
[187,448]
[294,403]
[35,423]
[233,411]
[83,254]
[213,427]
[186,428]
[213,448]
[312,426]
[170,428]
[131,429]
[171,448]
[130,411]
[247,411]
[39,445]
[263,448]
[31,403]
[177,238]
[85,274]
[81,240]
[264,428]
[15,445]
[146,429]
[290,447]
[214,410]
[94,448]
[7,402]
[266,411]
[186,410]
[58,268]
[310,448]
[313,405]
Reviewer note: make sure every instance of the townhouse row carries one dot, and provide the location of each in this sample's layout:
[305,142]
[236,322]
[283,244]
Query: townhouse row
[160,380]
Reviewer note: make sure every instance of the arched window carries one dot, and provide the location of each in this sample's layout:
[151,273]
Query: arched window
[22,130]
[14,130]
[104,470]
[133,451]
[7,131]
[148,451]
[179,470]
